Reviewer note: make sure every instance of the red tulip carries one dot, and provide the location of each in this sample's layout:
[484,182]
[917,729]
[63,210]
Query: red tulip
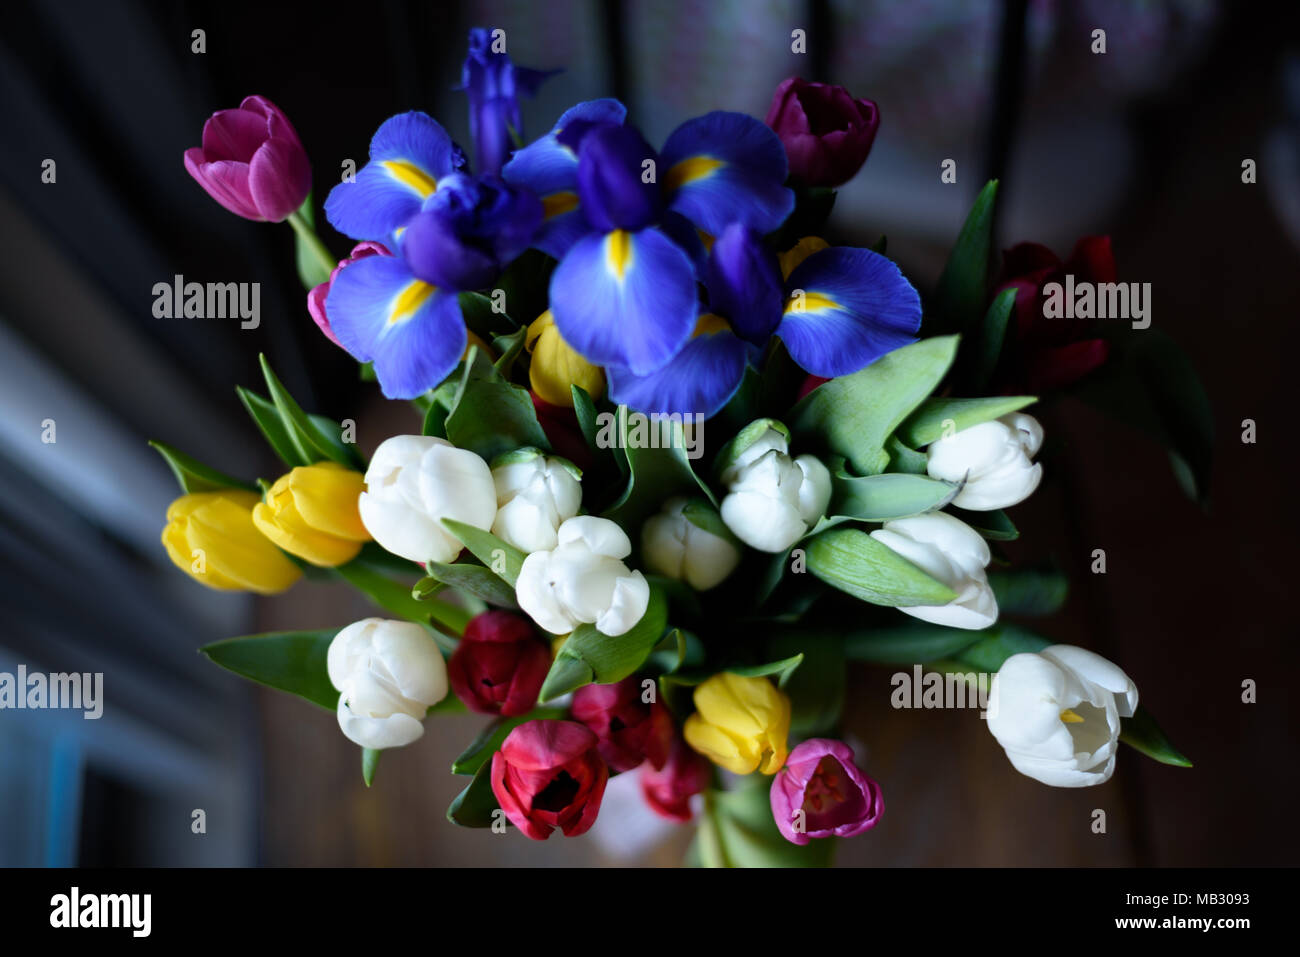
[252,162]
[1049,354]
[548,774]
[826,132]
[499,665]
[630,730]
[669,791]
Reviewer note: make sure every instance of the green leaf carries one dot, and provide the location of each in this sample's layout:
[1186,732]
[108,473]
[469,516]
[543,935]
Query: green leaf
[878,498]
[267,419]
[588,655]
[308,440]
[473,806]
[904,459]
[292,661]
[780,670]
[526,283]
[1142,732]
[986,350]
[908,644]
[994,525]
[481,319]
[490,416]
[502,559]
[937,416]
[369,762]
[960,297]
[659,467]
[704,516]
[490,739]
[854,415]
[854,562]
[314,261]
[396,597]
[193,476]
[737,830]
[1029,591]
[477,580]
[816,685]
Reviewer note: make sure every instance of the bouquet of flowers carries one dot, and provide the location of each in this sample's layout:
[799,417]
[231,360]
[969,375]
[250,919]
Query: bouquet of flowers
[682,461]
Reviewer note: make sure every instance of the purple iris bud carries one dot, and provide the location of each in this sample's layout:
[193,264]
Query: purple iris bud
[743,278]
[468,230]
[821,793]
[612,179]
[494,85]
[252,162]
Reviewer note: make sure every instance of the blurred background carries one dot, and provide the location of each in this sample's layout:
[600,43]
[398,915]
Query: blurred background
[1144,142]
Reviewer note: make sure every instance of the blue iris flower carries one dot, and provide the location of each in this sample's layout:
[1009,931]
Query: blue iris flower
[838,311]
[626,221]
[494,84]
[450,232]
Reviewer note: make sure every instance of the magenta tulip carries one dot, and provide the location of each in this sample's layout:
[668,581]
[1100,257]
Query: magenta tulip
[252,162]
[630,730]
[669,790]
[826,132]
[821,793]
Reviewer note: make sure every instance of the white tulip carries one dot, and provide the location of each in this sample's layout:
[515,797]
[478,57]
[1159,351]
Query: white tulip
[773,500]
[388,673]
[950,551]
[675,547]
[583,580]
[533,497]
[1056,714]
[993,458]
[415,481]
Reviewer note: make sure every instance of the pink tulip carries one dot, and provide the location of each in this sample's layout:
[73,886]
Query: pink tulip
[821,793]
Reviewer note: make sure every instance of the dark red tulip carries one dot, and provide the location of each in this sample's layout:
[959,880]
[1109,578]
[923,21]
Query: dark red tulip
[630,729]
[827,133]
[669,790]
[548,774]
[499,665]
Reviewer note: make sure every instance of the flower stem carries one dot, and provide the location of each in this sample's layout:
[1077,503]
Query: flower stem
[309,241]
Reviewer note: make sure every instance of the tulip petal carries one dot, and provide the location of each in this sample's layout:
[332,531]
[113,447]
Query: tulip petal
[701,379]
[625,299]
[412,331]
[1093,667]
[279,178]
[856,306]
[409,153]
[226,181]
[724,168]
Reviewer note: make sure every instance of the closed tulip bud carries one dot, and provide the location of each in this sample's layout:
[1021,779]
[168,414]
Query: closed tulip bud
[252,162]
[992,459]
[773,500]
[319,293]
[583,580]
[535,494]
[548,774]
[669,790]
[499,665]
[211,537]
[951,552]
[413,483]
[1057,714]
[827,134]
[674,546]
[630,730]
[740,723]
[556,366]
[312,513]
[389,674]
[821,793]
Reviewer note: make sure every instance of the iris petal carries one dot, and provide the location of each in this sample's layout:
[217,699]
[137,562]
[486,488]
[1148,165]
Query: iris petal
[700,379]
[845,308]
[408,154]
[744,283]
[722,168]
[412,331]
[625,299]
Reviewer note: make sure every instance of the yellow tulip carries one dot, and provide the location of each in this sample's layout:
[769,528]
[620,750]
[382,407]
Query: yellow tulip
[557,365]
[211,537]
[740,724]
[312,513]
[792,257]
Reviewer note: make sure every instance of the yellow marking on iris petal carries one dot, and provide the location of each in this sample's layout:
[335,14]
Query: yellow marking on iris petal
[708,324]
[557,204]
[809,302]
[689,170]
[1069,717]
[410,175]
[618,252]
[409,300]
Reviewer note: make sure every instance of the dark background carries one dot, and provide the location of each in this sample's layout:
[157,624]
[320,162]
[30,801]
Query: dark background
[1144,143]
